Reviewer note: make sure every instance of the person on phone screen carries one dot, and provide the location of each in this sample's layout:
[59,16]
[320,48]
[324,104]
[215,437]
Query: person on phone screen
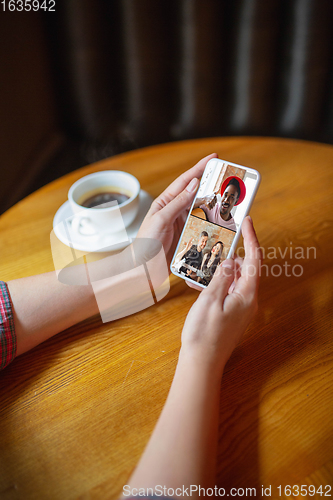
[232,193]
[193,255]
[210,262]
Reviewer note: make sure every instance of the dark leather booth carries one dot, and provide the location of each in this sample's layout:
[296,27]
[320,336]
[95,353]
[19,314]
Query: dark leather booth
[122,74]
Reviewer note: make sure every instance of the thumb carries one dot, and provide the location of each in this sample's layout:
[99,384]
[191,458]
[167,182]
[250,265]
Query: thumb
[182,201]
[222,279]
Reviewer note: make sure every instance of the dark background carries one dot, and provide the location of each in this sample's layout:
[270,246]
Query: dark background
[96,78]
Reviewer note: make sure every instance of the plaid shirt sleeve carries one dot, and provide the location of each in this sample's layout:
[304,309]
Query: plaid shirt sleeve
[7,329]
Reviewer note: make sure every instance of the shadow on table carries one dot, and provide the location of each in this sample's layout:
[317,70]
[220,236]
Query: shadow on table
[283,328]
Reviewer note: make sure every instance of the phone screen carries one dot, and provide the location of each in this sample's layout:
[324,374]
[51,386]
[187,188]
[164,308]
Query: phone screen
[212,229]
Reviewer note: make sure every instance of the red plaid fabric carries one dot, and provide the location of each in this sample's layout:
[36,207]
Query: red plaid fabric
[7,329]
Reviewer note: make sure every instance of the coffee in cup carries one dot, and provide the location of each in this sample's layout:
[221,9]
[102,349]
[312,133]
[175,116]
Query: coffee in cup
[106,196]
[106,201]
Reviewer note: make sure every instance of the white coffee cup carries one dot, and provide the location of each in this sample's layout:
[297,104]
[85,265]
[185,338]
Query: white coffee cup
[110,217]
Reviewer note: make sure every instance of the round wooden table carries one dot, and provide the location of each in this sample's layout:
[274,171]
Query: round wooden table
[77,411]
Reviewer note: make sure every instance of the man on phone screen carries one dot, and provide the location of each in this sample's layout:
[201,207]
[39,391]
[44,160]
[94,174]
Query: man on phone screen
[220,212]
[193,254]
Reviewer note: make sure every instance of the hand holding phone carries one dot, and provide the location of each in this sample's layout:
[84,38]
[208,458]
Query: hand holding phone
[222,313]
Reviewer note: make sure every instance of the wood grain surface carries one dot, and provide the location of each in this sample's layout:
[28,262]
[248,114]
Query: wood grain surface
[77,411]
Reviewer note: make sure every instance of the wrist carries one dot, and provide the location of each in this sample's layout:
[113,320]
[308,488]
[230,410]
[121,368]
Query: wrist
[207,362]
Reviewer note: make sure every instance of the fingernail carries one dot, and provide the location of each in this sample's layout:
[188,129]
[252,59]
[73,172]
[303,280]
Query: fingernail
[192,185]
[228,263]
[250,218]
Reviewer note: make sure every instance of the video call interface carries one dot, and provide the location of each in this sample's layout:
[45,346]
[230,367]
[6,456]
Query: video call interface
[218,210]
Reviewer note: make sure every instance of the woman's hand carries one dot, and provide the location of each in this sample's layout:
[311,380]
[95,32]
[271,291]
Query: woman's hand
[166,217]
[182,449]
[221,314]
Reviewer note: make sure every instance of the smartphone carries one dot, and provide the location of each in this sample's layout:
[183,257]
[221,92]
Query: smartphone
[213,226]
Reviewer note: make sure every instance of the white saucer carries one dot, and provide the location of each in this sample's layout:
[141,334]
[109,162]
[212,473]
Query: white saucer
[107,241]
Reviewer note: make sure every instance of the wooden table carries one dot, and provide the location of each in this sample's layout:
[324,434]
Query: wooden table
[77,411]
